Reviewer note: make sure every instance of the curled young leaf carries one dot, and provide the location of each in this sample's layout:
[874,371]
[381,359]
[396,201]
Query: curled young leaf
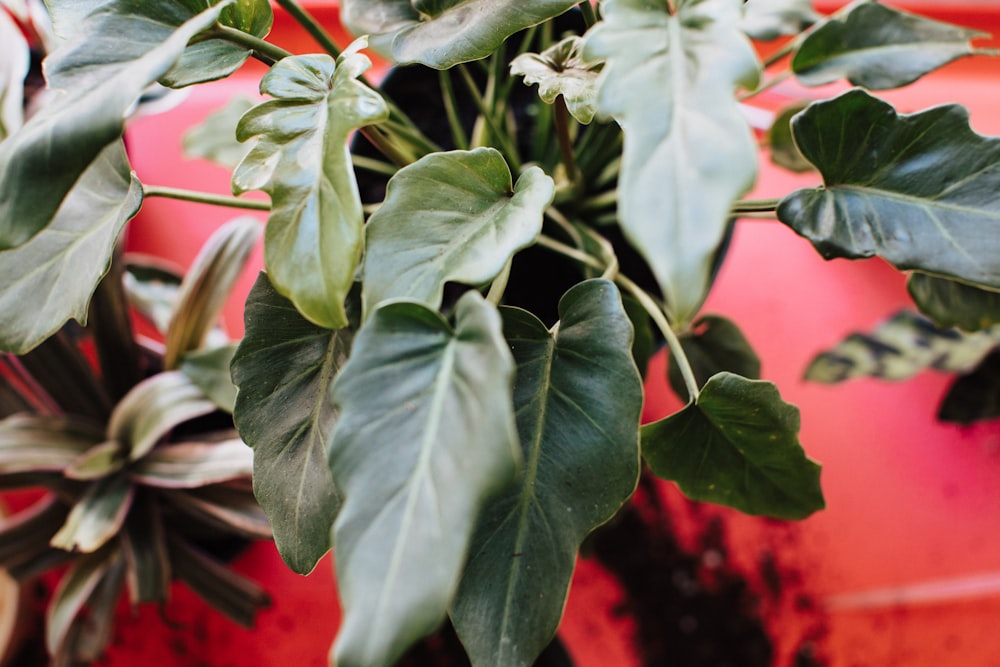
[562,70]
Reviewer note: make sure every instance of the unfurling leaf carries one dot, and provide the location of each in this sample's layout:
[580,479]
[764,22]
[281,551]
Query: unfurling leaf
[900,348]
[737,445]
[670,81]
[284,368]
[770,19]
[954,304]
[426,435]
[561,70]
[581,462]
[920,191]
[879,47]
[314,236]
[713,345]
[450,216]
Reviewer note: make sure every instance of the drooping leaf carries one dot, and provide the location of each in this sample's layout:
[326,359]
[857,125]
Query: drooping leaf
[61,266]
[901,347]
[32,443]
[562,70]
[879,47]
[425,435]
[314,235]
[14,61]
[74,589]
[770,19]
[444,33]
[97,516]
[737,445]
[713,345]
[284,367]
[974,396]
[953,304]
[189,465]
[781,141]
[95,81]
[214,139]
[918,190]
[450,216]
[670,81]
[581,462]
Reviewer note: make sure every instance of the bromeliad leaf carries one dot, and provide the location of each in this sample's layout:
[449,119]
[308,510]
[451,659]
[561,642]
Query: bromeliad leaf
[954,304]
[900,348]
[96,82]
[581,462]
[879,47]
[72,594]
[450,216]
[62,265]
[97,516]
[561,70]
[191,465]
[714,344]
[737,445]
[443,33]
[770,19]
[426,434]
[314,236]
[284,367]
[30,443]
[670,81]
[917,190]
[209,371]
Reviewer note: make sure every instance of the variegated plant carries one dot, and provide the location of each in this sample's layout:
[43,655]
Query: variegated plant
[440,377]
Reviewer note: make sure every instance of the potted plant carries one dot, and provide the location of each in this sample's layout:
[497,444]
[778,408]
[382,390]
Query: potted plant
[444,383]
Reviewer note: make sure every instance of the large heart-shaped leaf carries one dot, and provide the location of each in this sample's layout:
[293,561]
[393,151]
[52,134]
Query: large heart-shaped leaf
[284,367]
[918,190]
[443,33]
[96,80]
[314,235]
[954,304]
[581,462]
[900,348]
[562,70]
[770,19]
[737,445]
[879,47]
[14,61]
[450,216]
[670,81]
[426,434]
[51,278]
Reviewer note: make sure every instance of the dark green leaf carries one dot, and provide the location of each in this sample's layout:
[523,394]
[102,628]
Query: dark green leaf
[25,536]
[879,47]
[916,190]
[450,216]
[445,33]
[209,371]
[144,546]
[97,516]
[954,304]
[74,589]
[561,70]
[713,345]
[29,443]
[64,373]
[784,152]
[284,367]
[221,509]
[315,233]
[900,348]
[974,396]
[97,625]
[425,435]
[770,19]
[214,139]
[737,445]
[152,287]
[670,80]
[581,455]
[62,265]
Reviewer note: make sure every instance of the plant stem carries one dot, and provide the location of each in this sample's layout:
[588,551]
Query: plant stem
[384,145]
[589,15]
[315,30]
[499,285]
[767,85]
[754,206]
[373,165]
[486,114]
[263,51]
[451,110]
[204,198]
[561,121]
[599,202]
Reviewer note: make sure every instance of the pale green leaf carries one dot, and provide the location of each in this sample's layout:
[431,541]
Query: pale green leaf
[29,443]
[97,462]
[188,465]
[214,138]
[209,370]
[97,516]
[954,304]
[771,19]
[426,435]
[561,70]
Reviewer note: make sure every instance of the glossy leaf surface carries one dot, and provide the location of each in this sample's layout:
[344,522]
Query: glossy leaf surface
[425,435]
[713,345]
[917,190]
[738,446]
[284,367]
[770,19]
[879,47]
[450,216]
[314,236]
[670,81]
[953,304]
[581,462]
[974,396]
[562,70]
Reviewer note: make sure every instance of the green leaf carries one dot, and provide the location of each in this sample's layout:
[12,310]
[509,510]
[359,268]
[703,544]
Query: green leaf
[221,509]
[713,345]
[315,234]
[152,289]
[72,593]
[879,47]
[97,516]
[562,70]
[954,304]
[62,265]
[425,435]
[214,139]
[92,632]
[284,368]
[189,465]
[450,216]
[444,33]
[770,19]
[153,408]
[900,348]
[144,546]
[916,190]
[780,139]
[209,371]
[24,536]
[96,80]
[975,396]
[31,444]
[14,61]
[738,446]
[581,462]
[97,462]
[670,80]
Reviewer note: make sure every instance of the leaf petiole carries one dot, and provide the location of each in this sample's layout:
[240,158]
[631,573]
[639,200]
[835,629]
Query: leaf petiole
[262,50]
[204,198]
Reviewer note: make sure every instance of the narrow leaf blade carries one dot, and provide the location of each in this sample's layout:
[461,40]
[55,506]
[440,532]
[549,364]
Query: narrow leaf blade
[954,304]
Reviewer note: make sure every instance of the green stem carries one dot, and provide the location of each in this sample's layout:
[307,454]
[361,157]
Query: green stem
[204,198]
[306,20]
[589,15]
[754,206]
[599,202]
[384,145]
[486,113]
[561,122]
[264,51]
[373,165]
[499,285]
[451,110]
[767,85]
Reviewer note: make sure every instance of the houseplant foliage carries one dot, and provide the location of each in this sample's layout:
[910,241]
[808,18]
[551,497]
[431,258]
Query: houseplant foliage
[454,439]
